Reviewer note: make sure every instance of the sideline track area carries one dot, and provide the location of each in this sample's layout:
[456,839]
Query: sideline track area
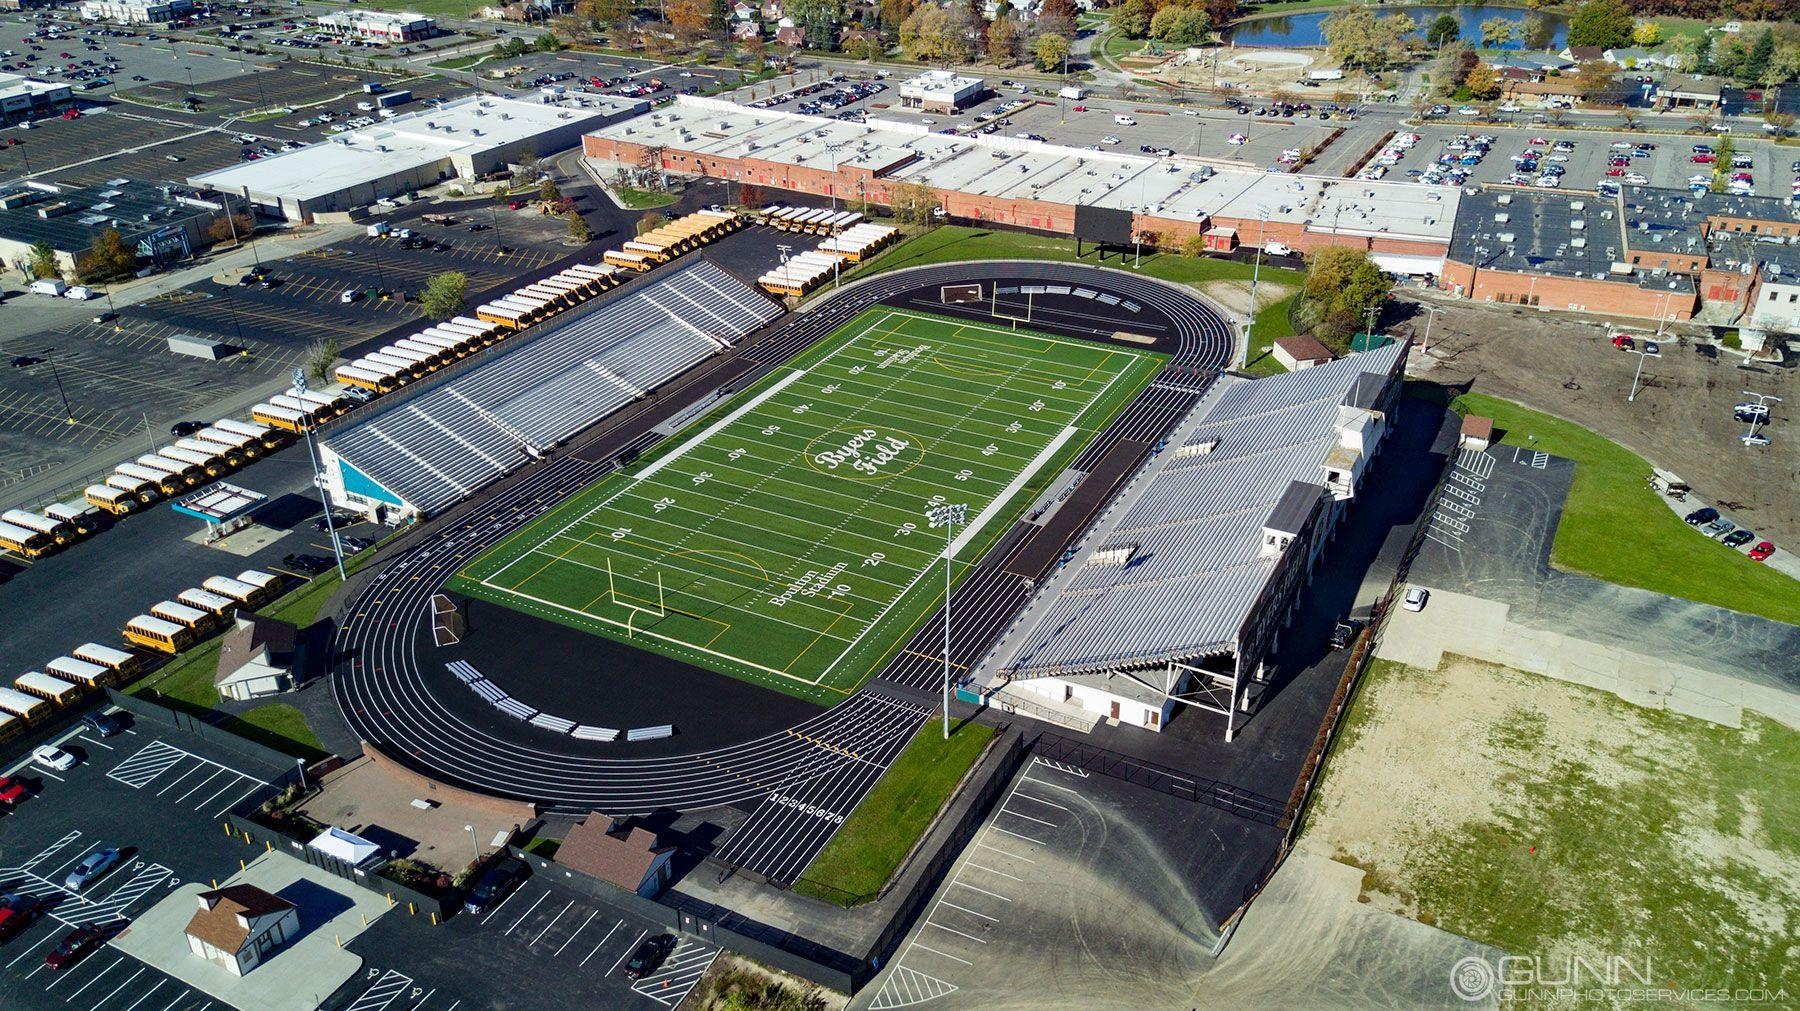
[786,542]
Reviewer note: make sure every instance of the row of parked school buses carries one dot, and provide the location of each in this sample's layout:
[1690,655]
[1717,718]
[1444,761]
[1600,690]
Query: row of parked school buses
[664,243]
[168,628]
[227,444]
[801,274]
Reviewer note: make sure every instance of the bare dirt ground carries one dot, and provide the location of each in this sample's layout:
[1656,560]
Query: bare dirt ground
[1548,819]
[1681,420]
[1235,295]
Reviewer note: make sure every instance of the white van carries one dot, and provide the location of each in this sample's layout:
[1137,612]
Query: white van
[48,286]
[1124,120]
[378,229]
[81,293]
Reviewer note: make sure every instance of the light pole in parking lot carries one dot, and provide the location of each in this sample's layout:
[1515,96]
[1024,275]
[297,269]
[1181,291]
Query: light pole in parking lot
[474,843]
[1642,353]
[1759,417]
[947,515]
[312,456]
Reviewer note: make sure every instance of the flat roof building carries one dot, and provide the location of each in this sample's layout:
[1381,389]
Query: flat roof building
[464,138]
[30,98]
[1030,184]
[940,91]
[136,12]
[163,222]
[381,25]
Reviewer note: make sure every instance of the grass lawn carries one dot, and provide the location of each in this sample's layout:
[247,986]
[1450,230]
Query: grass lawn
[463,62]
[1614,528]
[883,829]
[187,680]
[1549,819]
[644,200]
[459,9]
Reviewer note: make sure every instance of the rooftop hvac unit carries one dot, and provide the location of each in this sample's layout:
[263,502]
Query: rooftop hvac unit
[1506,237]
[1577,225]
[1501,217]
[1504,198]
[1577,205]
[1578,242]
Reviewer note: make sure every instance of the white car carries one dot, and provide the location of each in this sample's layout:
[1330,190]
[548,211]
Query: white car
[1468,110]
[1637,178]
[1237,138]
[51,757]
[1415,598]
[1511,107]
[1557,158]
[1110,139]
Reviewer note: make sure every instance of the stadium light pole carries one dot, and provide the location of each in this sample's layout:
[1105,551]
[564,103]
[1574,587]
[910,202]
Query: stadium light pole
[312,456]
[1262,214]
[947,515]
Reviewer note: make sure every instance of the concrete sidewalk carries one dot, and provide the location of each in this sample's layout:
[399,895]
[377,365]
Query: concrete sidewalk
[1481,629]
[299,975]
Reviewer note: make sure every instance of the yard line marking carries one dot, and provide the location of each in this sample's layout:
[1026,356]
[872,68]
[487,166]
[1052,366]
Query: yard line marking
[966,909]
[721,424]
[929,948]
[528,912]
[932,923]
[552,922]
[990,870]
[602,944]
[578,930]
[628,950]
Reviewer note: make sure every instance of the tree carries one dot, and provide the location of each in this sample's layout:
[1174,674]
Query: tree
[1483,83]
[1536,32]
[43,260]
[502,193]
[1784,65]
[690,19]
[1646,33]
[817,17]
[1445,29]
[650,221]
[1603,23]
[1194,246]
[1342,285]
[1132,18]
[549,43]
[1221,12]
[1683,51]
[893,13]
[933,35]
[1756,63]
[1357,37]
[1594,79]
[1181,26]
[110,256]
[1497,32]
[445,295]
[578,228]
[1005,38]
[1783,122]
[1629,116]
[227,228]
[547,191]
[319,358]
[1050,51]
[914,203]
[1453,65]
[1703,54]
[1058,16]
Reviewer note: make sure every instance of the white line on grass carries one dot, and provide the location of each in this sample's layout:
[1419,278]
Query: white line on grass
[714,428]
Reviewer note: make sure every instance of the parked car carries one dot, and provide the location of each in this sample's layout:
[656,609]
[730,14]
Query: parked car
[1718,527]
[1345,633]
[649,955]
[16,913]
[1624,343]
[1751,411]
[308,565]
[12,792]
[103,723]
[52,757]
[1754,439]
[183,429]
[494,885]
[352,545]
[76,945]
[1762,551]
[1699,516]
[339,519]
[91,869]
[1415,599]
[1737,538]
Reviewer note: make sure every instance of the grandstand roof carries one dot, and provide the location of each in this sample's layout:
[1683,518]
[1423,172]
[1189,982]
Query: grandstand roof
[432,449]
[1193,535]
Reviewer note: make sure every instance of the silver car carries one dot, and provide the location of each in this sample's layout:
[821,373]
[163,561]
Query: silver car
[91,868]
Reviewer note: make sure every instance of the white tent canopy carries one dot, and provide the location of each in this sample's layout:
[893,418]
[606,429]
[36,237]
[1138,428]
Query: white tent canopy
[345,846]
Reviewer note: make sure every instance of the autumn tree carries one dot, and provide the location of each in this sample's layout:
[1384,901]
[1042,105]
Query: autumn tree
[914,203]
[1483,83]
[1594,80]
[1342,285]
[690,20]
[228,228]
[1604,23]
[932,34]
[1005,39]
[110,256]
[1358,37]
[1180,26]
[1051,52]
[1497,32]
[446,295]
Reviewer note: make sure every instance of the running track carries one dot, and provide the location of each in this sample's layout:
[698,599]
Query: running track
[801,783]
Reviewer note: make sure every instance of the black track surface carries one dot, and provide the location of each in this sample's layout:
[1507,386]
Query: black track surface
[799,781]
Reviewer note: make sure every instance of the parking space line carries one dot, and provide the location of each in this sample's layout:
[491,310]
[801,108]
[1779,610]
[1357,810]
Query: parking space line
[89,983]
[196,786]
[628,950]
[933,923]
[239,800]
[23,955]
[146,995]
[527,912]
[990,870]
[1027,838]
[997,849]
[1015,814]
[97,744]
[966,909]
[934,951]
[578,930]
[115,989]
[502,905]
[1053,786]
[67,862]
[972,888]
[602,944]
[1040,800]
[552,923]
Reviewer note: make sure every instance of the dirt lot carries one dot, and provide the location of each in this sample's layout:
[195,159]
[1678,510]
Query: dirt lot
[1549,819]
[1681,420]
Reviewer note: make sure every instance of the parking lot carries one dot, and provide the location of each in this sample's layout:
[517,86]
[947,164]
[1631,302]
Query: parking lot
[1586,157]
[542,938]
[157,797]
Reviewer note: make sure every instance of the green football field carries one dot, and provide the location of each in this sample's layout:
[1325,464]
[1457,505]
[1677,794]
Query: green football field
[783,539]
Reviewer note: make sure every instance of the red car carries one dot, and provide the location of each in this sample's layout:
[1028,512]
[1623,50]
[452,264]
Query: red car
[1615,171]
[11,792]
[1762,551]
[1624,342]
[515,205]
[1702,159]
[76,945]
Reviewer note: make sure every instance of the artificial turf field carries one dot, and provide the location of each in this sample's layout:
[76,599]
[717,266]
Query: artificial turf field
[783,538]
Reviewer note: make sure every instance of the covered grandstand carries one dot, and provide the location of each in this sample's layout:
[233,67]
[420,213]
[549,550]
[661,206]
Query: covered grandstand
[1181,589]
[423,453]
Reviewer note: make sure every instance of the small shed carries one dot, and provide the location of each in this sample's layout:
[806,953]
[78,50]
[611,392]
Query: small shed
[1220,239]
[257,658]
[237,927]
[619,853]
[1477,432]
[1300,352]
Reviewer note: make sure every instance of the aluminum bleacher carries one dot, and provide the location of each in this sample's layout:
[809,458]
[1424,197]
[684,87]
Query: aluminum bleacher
[434,449]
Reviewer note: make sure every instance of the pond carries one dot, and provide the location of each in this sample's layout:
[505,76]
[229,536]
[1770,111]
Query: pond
[1308,29]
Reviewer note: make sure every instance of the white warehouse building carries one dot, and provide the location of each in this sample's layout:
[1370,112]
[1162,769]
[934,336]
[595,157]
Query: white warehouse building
[464,138]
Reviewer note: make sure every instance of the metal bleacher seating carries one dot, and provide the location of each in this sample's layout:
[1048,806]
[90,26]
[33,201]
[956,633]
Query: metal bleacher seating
[434,449]
[588,733]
